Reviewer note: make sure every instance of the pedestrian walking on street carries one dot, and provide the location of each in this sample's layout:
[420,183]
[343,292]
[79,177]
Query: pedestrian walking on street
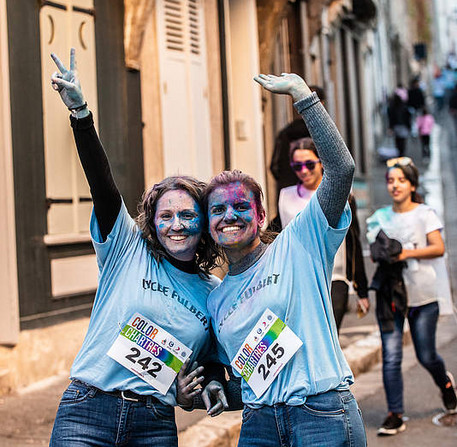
[272,313]
[438,90]
[348,265]
[425,123]
[399,122]
[453,109]
[407,287]
[149,313]
[416,98]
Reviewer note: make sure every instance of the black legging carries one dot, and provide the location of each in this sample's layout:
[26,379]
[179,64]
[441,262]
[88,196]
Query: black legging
[340,296]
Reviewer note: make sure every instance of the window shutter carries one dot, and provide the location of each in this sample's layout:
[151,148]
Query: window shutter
[183,80]
[63,26]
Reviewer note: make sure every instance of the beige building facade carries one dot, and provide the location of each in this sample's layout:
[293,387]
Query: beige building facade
[170,85]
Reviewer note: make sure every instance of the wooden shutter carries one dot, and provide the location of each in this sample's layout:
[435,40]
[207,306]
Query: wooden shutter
[64,25]
[183,83]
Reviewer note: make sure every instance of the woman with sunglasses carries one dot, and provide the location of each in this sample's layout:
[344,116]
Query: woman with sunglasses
[348,265]
[272,313]
[414,225]
[149,317]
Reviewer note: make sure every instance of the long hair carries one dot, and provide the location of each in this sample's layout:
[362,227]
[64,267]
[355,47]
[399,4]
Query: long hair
[226,178]
[207,252]
[411,174]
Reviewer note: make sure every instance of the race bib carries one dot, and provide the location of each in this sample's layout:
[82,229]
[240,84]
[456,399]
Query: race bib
[265,352]
[150,352]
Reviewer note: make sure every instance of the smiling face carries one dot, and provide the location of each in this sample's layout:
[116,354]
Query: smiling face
[234,221]
[309,178]
[178,222]
[398,186]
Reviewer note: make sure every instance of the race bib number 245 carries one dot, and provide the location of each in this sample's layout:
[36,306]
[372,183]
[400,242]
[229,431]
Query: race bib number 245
[267,349]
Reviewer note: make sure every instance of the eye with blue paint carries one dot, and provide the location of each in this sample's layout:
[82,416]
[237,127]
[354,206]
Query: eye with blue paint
[243,206]
[189,215]
[179,224]
[217,209]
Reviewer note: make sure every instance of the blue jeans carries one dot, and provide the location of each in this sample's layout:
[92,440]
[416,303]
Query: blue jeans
[422,322]
[330,419]
[90,417]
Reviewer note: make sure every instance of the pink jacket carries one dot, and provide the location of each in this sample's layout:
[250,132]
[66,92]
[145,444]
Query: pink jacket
[425,124]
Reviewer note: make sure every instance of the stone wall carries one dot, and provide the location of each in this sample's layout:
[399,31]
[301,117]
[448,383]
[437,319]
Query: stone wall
[40,353]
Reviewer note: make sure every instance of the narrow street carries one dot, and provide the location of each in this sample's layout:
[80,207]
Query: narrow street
[169,87]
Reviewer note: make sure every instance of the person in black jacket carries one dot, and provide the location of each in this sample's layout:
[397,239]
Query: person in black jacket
[453,108]
[399,123]
[416,98]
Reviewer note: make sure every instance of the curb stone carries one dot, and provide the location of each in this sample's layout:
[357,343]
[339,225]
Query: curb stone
[221,431]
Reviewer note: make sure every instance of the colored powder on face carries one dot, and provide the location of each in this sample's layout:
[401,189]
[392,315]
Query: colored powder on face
[233,203]
[178,213]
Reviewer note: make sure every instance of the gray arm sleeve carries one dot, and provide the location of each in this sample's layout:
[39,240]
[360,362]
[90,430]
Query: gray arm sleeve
[336,159]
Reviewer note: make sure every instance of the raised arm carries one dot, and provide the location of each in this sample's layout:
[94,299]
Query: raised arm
[105,195]
[336,159]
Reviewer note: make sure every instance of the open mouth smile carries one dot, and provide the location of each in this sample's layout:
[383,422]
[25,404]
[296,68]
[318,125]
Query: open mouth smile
[178,237]
[231,229]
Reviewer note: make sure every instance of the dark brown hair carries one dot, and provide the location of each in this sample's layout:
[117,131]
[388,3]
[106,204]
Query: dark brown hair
[411,174]
[226,178]
[306,143]
[207,252]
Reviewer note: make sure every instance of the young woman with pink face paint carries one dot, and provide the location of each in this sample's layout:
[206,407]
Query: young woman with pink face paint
[272,313]
[149,313]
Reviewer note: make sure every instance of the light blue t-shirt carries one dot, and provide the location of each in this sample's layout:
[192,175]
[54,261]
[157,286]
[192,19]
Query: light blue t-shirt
[130,281]
[292,279]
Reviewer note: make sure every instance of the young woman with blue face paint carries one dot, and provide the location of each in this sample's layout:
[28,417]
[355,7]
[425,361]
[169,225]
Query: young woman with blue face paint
[272,313]
[149,315]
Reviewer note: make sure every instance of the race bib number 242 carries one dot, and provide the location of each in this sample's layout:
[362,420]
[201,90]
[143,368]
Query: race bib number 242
[149,352]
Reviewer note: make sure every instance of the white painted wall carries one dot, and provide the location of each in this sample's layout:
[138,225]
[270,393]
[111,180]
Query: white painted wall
[445,30]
